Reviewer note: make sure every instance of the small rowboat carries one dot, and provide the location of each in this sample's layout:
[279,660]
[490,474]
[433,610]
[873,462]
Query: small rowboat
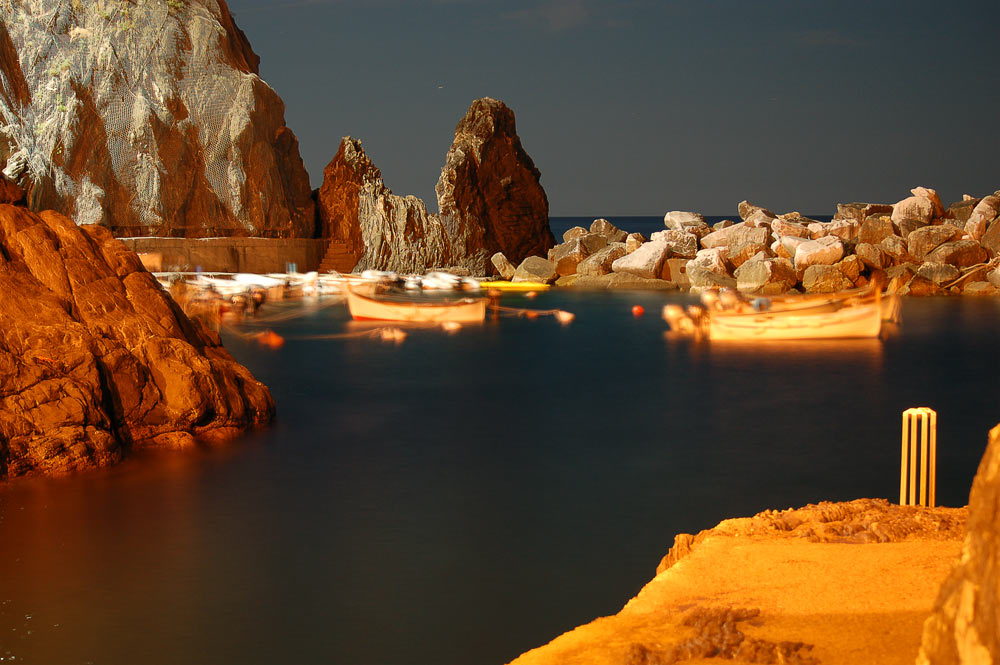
[826,321]
[370,307]
[856,314]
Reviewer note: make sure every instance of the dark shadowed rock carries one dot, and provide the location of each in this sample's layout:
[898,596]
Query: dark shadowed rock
[10,193]
[962,629]
[489,193]
[907,226]
[148,118]
[386,232]
[96,358]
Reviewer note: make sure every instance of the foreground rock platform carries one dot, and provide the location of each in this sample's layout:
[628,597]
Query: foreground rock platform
[95,358]
[830,583]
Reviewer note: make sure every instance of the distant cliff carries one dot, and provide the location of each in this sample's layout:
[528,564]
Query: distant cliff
[149,118]
[489,195]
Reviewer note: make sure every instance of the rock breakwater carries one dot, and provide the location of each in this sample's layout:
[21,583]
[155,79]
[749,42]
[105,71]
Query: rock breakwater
[921,247]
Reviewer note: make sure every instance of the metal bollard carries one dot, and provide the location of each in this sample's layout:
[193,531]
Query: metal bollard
[926,419]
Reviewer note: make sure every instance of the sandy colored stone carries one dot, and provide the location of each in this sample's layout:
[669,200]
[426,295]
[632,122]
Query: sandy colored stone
[851,582]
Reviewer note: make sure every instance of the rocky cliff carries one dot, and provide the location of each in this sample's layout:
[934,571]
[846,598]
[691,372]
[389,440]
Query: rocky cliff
[489,196]
[965,625]
[386,231]
[96,358]
[147,117]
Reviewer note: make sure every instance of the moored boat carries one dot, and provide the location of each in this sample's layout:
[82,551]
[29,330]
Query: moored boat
[369,306]
[728,317]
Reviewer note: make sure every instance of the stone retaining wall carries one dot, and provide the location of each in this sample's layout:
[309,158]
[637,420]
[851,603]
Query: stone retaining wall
[257,255]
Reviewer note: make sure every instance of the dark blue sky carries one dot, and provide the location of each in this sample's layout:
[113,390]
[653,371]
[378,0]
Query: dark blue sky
[640,106]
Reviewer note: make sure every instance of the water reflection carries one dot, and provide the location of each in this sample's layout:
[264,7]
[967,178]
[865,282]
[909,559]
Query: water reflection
[447,500]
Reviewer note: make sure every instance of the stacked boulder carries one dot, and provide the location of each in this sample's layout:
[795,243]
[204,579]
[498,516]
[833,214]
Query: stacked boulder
[922,248]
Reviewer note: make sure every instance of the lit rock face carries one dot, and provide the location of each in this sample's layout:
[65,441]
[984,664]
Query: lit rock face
[489,195]
[386,231]
[96,358]
[148,118]
[964,625]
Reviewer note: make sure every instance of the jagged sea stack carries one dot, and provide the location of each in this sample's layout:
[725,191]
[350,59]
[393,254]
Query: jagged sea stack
[149,118]
[489,194]
[386,232]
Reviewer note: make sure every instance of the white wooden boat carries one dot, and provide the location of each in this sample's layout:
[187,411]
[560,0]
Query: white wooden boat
[368,306]
[851,315]
[844,320]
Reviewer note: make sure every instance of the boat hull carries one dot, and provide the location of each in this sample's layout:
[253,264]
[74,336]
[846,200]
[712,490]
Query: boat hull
[366,308]
[856,321]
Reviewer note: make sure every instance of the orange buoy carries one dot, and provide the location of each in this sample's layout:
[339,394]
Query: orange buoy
[531,314]
[271,339]
[638,310]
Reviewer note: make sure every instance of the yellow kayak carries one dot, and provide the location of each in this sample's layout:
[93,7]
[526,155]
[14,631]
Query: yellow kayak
[515,286]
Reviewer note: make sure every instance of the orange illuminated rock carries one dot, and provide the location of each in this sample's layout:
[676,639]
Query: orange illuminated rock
[965,625]
[96,358]
[833,583]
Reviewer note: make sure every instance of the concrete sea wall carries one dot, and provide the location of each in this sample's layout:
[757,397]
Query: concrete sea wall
[257,255]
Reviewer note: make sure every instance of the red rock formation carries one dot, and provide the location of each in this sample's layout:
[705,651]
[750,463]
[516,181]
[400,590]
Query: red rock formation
[386,231]
[489,194]
[95,358]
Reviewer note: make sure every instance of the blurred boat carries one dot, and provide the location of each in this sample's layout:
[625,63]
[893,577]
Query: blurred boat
[366,306]
[504,285]
[727,316]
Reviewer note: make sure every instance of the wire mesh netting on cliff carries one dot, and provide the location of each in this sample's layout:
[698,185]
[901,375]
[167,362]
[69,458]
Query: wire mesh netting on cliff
[153,75]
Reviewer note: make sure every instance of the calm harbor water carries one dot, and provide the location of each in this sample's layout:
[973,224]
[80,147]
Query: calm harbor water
[460,499]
